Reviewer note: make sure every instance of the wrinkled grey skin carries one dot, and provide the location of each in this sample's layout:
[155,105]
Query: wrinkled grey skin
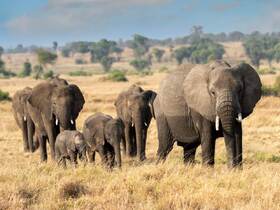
[134,108]
[103,135]
[189,100]
[23,120]
[54,106]
[70,145]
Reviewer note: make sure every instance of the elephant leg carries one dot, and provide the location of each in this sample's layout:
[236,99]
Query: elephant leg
[238,137]
[133,142]
[127,139]
[73,158]
[165,139]
[110,156]
[43,148]
[30,132]
[189,152]
[103,155]
[91,156]
[144,140]
[208,143]
[25,137]
[124,145]
[50,128]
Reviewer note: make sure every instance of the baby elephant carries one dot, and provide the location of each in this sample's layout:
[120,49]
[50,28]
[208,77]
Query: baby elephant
[68,145]
[104,134]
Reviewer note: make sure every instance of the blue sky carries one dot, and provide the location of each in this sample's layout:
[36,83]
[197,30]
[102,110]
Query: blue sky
[43,21]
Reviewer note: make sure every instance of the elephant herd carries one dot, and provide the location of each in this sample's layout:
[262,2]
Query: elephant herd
[194,105]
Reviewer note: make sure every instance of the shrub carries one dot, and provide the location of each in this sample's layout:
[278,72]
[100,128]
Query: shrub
[45,57]
[38,71]
[4,96]
[80,61]
[79,73]
[266,71]
[117,76]
[273,90]
[48,74]
[27,69]
[72,190]
[139,64]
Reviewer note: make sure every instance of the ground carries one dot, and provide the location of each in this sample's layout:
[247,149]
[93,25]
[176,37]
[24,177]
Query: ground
[25,183]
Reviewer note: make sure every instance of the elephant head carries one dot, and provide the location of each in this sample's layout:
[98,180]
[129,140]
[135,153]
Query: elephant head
[222,93]
[114,132]
[80,145]
[58,102]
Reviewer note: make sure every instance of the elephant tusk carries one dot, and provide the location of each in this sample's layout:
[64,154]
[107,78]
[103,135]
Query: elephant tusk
[56,121]
[217,123]
[132,124]
[24,118]
[146,124]
[72,122]
[239,119]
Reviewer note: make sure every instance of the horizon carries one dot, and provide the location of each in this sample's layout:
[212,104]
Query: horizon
[40,22]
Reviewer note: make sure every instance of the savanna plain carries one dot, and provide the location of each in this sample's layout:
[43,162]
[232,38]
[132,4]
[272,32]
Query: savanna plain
[25,183]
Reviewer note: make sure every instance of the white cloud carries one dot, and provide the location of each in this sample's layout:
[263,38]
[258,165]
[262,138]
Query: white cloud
[68,15]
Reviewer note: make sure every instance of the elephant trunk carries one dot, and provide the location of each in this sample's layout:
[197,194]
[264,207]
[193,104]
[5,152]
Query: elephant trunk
[139,136]
[229,113]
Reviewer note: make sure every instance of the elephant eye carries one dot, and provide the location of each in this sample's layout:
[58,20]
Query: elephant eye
[212,92]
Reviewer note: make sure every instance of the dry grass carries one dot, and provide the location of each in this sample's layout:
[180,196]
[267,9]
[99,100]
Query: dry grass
[25,183]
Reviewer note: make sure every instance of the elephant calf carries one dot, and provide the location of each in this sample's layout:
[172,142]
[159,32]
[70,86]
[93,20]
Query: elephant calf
[103,134]
[68,145]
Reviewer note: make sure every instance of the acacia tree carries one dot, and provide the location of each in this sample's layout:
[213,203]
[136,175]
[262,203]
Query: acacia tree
[139,45]
[158,53]
[45,57]
[101,53]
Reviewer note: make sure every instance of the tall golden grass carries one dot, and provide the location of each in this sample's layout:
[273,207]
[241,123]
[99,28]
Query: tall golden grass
[25,183]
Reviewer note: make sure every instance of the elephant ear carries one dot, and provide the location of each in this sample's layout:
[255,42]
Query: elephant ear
[40,98]
[79,100]
[196,92]
[251,87]
[150,96]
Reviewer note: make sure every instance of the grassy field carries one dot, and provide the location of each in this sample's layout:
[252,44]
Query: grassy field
[25,183]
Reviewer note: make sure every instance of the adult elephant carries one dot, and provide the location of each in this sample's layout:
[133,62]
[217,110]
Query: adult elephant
[23,120]
[53,106]
[198,104]
[134,108]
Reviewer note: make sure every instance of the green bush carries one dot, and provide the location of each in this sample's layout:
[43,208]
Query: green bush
[266,71]
[140,64]
[273,90]
[80,61]
[4,96]
[79,73]
[48,74]
[27,69]
[117,76]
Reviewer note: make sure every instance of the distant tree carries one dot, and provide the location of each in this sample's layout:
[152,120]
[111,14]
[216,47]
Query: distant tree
[55,45]
[118,52]
[182,53]
[45,57]
[140,64]
[196,34]
[1,51]
[236,36]
[38,71]
[101,52]
[65,52]
[139,45]
[158,53]
[277,52]
[27,69]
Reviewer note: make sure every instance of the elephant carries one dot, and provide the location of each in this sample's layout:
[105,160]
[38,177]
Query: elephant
[53,106]
[199,103]
[69,145]
[103,134]
[23,120]
[134,107]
